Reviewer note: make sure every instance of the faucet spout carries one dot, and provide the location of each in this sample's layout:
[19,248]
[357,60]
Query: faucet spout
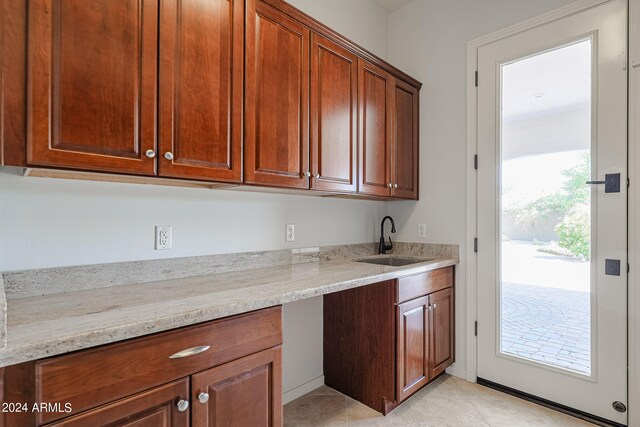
[383,247]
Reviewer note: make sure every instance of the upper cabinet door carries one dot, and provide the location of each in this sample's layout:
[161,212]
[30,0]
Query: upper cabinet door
[201,79]
[376,104]
[404,150]
[277,99]
[334,116]
[92,84]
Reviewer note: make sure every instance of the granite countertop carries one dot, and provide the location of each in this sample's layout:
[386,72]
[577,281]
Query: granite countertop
[40,326]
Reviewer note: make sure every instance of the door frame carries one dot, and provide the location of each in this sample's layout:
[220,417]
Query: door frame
[471,285]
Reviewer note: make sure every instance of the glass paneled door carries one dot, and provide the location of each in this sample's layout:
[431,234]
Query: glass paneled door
[552,232]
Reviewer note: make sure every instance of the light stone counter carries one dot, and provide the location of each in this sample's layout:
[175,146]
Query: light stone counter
[59,322]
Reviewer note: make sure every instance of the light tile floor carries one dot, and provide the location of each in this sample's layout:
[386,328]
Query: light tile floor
[448,401]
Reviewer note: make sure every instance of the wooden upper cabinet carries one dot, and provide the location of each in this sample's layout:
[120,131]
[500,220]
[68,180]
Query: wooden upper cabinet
[276,99]
[201,84]
[334,116]
[92,78]
[245,392]
[404,168]
[376,105]
[157,407]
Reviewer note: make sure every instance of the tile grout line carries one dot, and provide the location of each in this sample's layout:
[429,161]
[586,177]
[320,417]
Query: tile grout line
[470,400]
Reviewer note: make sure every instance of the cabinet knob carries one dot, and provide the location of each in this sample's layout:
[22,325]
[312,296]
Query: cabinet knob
[316,176]
[203,397]
[395,185]
[168,155]
[307,174]
[389,185]
[150,154]
[434,306]
[183,405]
[429,307]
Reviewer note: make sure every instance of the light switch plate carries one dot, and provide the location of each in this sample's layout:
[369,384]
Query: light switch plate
[290,233]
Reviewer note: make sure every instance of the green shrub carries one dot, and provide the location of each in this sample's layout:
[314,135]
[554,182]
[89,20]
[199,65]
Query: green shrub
[574,232]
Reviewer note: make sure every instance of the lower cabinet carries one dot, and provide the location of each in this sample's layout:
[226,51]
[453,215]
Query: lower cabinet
[227,372]
[156,407]
[406,341]
[245,392]
[413,346]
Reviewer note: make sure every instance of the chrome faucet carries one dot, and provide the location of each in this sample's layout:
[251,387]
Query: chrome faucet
[383,248]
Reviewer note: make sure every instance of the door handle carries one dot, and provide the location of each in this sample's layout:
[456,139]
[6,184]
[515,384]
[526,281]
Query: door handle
[611,183]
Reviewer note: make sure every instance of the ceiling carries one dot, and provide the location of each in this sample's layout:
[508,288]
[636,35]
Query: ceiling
[556,80]
[391,5]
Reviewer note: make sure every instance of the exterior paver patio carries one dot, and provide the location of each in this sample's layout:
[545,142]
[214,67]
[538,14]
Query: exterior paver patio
[548,325]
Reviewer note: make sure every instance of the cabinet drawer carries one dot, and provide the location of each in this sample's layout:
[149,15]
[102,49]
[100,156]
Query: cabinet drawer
[411,287]
[89,378]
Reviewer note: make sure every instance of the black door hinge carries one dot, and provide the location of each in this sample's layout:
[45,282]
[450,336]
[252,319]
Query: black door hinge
[476,78]
[476,328]
[475,162]
[475,244]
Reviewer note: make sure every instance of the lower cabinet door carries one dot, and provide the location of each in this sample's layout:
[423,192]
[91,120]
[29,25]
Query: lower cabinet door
[245,392]
[158,407]
[413,346]
[441,332]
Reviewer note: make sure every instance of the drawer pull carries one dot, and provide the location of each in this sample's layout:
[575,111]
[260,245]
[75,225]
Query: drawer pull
[190,352]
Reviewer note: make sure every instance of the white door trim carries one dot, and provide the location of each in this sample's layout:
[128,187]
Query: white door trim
[472,144]
[634,213]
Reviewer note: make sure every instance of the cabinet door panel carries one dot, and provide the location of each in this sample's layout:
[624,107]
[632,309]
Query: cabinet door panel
[245,392]
[277,98]
[334,94]
[375,100]
[441,331]
[405,142]
[413,351]
[201,79]
[153,408]
[92,84]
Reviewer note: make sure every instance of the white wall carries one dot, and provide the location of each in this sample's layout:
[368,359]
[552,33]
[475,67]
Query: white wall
[46,223]
[428,39]
[354,19]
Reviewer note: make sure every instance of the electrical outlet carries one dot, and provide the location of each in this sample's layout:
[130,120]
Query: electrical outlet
[422,231]
[163,237]
[290,233]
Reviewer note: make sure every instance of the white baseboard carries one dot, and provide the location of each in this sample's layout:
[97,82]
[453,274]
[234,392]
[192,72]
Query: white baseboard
[303,389]
[457,372]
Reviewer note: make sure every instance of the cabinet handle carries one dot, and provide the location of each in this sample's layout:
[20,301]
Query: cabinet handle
[203,397]
[316,176]
[395,185]
[306,174]
[190,351]
[429,307]
[168,155]
[434,305]
[150,154]
[183,405]
[389,185]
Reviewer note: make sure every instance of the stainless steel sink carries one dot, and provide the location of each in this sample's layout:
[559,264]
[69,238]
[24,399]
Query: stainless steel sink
[391,261]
